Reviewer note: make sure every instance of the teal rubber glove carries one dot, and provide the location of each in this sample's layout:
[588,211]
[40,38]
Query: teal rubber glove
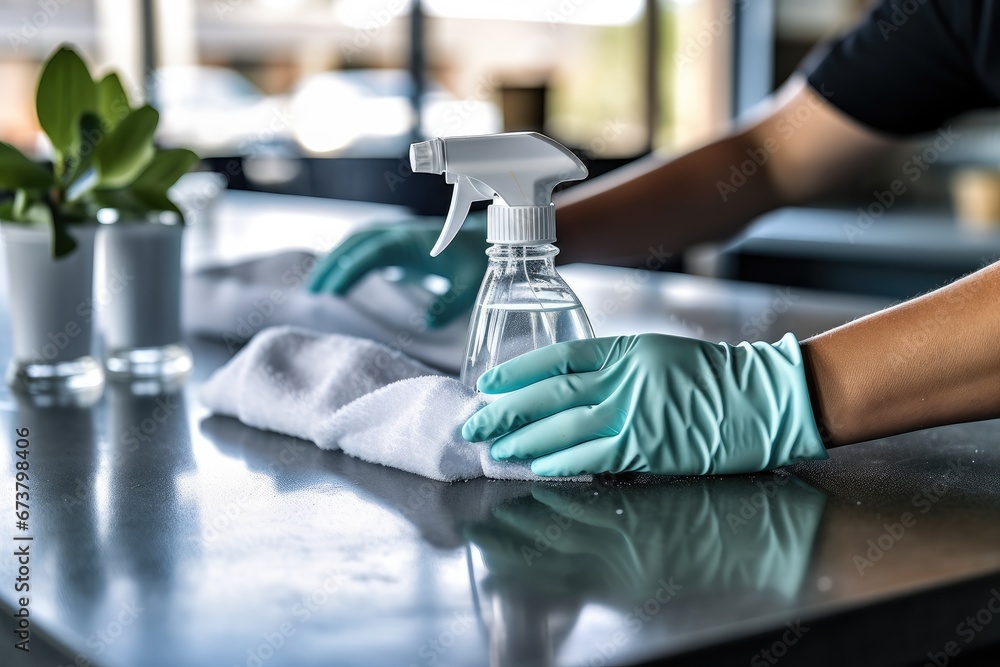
[408,245]
[650,403]
[626,541]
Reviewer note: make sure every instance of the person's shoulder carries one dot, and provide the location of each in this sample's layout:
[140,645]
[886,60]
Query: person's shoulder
[910,65]
[907,17]
[970,20]
[975,25]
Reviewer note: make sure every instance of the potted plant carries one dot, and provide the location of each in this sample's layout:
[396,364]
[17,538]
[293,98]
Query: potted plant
[103,158]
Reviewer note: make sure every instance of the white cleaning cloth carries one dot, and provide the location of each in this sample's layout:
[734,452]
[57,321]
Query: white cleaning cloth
[234,302]
[365,398]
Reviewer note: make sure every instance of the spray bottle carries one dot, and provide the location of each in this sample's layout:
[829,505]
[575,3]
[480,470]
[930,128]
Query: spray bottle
[523,304]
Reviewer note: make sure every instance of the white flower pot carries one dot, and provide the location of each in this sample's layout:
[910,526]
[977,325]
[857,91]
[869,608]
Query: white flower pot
[140,293]
[51,310]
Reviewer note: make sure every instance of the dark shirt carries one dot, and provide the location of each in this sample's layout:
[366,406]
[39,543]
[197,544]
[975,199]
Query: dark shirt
[911,65]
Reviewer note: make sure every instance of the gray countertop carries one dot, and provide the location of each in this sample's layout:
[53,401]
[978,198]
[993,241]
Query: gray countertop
[929,237]
[166,536]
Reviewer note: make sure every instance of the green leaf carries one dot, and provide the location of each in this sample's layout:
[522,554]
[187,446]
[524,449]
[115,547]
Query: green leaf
[121,199]
[124,153]
[112,101]
[65,91]
[164,169]
[153,200]
[20,203]
[136,204]
[91,136]
[17,171]
[148,192]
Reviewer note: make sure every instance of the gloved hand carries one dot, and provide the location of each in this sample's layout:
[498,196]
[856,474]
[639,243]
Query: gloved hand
[407,245]
[650,403]
[624,541]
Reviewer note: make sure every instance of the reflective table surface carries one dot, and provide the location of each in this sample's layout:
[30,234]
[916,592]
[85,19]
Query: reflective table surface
[162,535]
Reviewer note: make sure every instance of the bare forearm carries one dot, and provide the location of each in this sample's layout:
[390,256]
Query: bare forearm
[798,149]
[673,203]
[930,361]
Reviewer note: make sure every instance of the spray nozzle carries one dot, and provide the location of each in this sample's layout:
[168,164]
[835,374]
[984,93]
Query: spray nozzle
[517,170]
[427,157]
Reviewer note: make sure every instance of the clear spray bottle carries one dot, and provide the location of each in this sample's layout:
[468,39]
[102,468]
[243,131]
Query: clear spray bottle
[523,303]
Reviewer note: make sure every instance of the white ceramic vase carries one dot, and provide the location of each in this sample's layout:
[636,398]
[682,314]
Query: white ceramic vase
[141,290]
[51,310]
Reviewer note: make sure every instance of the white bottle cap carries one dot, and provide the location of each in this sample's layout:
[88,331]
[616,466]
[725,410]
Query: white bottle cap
[521,225]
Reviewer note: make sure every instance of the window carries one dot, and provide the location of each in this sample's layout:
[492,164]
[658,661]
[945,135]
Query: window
[331,77]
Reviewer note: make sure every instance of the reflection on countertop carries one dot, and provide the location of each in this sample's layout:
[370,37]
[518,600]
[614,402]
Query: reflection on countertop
[650,550]
[165,536]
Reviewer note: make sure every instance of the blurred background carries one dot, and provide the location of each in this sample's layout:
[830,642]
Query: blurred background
[323,97]
[334,78]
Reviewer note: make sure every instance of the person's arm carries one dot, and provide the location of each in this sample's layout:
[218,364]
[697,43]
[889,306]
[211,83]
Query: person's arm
[930,361]
[682,406]
[800,148]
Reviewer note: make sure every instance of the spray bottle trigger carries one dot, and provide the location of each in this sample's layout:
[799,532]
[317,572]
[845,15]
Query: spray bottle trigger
[467,191]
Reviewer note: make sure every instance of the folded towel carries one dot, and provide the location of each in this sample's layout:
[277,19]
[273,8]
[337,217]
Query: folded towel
[369,400]
[234,302]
